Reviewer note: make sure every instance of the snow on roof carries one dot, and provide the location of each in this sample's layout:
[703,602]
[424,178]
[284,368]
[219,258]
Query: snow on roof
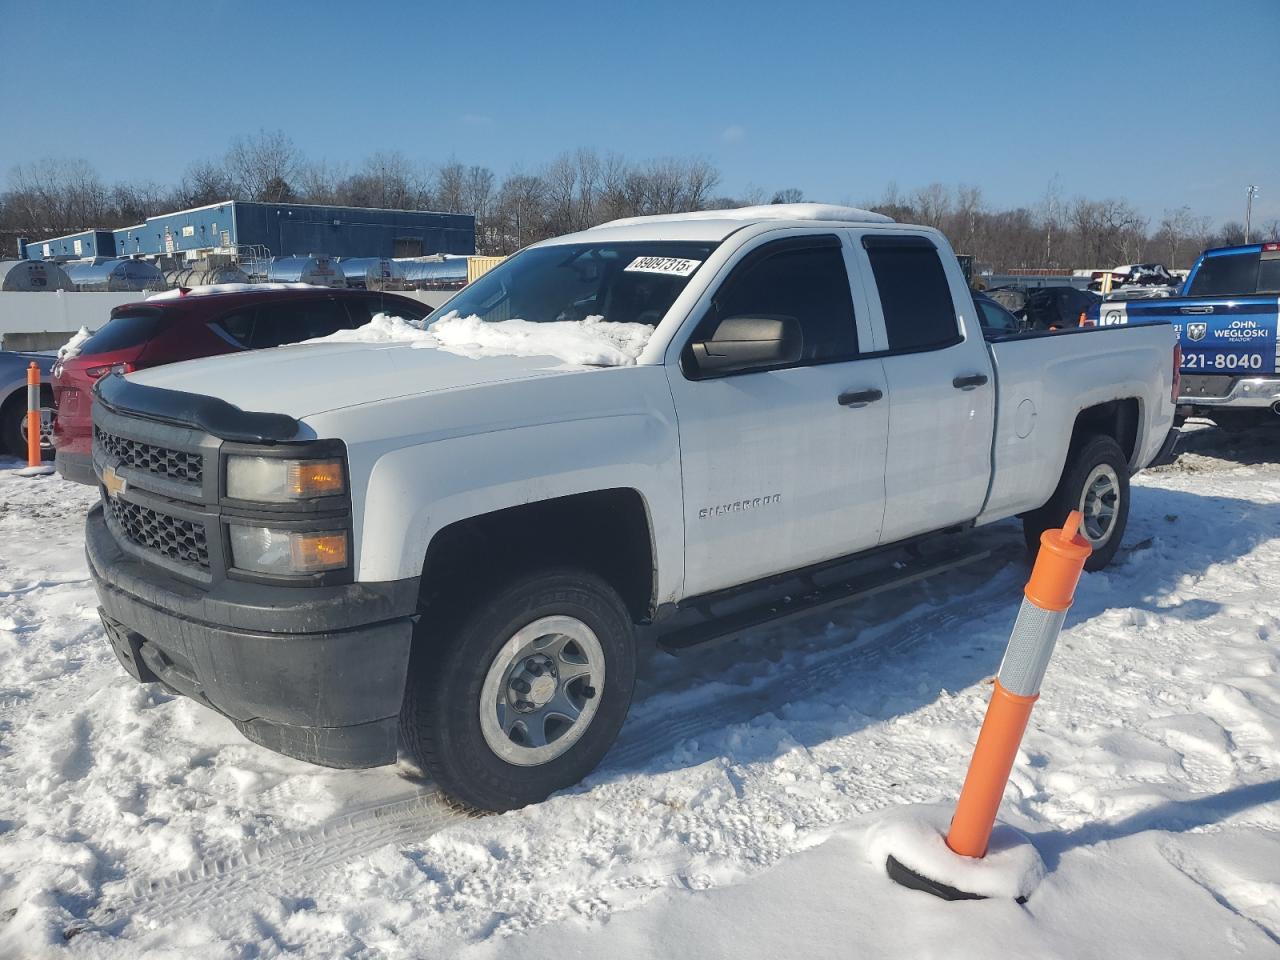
[212,289]
[769,211]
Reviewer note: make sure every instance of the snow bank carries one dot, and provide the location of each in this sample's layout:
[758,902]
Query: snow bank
[72,347]
[591,342]
[212,288]
[730,819]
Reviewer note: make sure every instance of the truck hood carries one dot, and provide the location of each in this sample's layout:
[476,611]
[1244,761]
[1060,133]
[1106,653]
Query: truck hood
[307,379]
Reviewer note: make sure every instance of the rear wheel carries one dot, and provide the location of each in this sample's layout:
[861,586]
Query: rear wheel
[13,425]
[520,692]
[1095,482]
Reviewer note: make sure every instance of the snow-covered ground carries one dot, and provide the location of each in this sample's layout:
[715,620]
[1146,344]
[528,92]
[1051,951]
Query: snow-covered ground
[733,817]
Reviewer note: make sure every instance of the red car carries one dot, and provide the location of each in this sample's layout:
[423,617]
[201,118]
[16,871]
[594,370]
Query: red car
[165,330]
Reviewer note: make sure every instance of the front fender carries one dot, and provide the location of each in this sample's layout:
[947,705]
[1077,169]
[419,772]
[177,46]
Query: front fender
[416,491]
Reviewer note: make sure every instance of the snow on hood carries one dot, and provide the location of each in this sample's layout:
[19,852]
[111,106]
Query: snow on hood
[591,342]
[207,289]
[72,347]
[311,378]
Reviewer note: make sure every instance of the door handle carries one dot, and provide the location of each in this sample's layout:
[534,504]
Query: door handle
[859,398]
[969,382]
[1205,309]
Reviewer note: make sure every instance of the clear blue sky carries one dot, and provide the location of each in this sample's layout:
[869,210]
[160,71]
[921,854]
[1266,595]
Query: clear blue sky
[1162,103]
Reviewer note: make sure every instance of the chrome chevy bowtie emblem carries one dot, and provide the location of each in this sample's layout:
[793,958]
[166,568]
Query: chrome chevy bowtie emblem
[113,482]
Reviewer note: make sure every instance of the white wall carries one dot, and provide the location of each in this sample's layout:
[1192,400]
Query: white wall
[52,314]
[57,312]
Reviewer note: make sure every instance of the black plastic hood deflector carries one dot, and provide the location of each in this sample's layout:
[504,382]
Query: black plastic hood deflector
[213,416]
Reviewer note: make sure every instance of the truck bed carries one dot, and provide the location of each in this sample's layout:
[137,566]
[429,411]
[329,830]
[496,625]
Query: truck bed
[1086,364]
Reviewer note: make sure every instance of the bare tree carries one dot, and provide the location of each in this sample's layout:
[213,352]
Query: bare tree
[264,166]
[450,188]
[206,182]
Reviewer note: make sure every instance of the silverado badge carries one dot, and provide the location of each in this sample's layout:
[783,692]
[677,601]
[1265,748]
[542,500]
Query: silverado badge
[113,482]
[1197,331]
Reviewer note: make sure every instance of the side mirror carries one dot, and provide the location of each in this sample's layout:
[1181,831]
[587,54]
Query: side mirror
[745,343]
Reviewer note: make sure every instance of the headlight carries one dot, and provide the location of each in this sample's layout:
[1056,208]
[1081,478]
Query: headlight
[276,480]
[286,552]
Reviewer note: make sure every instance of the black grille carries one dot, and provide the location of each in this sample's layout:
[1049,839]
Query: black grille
[180,540]
[174,464]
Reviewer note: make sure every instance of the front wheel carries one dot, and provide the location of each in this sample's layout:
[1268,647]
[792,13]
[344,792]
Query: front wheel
[520,692]
[1095,482]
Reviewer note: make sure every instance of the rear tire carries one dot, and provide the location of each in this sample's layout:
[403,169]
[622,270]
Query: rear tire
[1095,482]
[13,425]
[519,692]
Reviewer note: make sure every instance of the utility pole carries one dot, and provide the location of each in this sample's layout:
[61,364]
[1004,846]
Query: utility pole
[1248,209]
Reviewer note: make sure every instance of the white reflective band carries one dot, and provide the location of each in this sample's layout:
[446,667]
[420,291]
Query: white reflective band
[1030,647]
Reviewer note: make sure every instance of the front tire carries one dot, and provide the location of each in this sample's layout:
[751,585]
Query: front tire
[1095,482]
[521,691]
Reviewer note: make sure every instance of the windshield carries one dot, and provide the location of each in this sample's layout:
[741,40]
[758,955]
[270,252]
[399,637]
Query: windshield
[619,282]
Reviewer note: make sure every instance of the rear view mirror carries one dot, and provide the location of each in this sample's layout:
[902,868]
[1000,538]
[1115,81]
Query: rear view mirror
[746,343]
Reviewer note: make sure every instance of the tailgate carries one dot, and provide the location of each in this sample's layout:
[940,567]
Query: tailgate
[1227,335]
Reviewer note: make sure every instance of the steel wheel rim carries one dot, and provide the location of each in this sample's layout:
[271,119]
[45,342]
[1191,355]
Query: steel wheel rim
[1099,504]
[542,691]
[46,428]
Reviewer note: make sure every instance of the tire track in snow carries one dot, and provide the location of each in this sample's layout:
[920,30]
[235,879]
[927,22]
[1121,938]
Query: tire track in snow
[217,883]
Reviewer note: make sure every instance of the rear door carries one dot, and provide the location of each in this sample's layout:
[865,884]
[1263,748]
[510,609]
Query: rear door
[941,390]
[782,466]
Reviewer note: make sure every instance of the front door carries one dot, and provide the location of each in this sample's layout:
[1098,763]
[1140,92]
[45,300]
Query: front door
[782,466]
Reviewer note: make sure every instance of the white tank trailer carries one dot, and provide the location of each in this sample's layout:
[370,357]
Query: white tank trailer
[32,276]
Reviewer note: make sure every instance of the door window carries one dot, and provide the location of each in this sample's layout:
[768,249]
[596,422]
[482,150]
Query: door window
[914,294]
[280,323]
[996,320]
[804,279]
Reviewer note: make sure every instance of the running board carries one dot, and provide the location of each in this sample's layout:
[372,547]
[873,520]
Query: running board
[814,598]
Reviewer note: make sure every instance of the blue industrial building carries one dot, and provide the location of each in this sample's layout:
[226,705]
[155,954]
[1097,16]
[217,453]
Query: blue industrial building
[86,243]
[274,229]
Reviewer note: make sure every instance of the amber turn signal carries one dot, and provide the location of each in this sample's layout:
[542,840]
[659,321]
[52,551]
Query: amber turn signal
[313,552]
[314,478]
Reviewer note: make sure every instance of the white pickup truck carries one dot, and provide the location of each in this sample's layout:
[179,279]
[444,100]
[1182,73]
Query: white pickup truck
[355,548]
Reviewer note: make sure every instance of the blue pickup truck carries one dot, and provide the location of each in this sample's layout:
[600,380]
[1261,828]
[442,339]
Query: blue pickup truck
[1227,317]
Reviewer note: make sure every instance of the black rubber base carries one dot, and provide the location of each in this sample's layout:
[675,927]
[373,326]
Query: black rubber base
[906,877]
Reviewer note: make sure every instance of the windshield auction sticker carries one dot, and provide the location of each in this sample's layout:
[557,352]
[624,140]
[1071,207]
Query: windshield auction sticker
[673,266]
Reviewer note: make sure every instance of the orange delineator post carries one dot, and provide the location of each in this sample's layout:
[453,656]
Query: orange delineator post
[34,456]
[1048,596]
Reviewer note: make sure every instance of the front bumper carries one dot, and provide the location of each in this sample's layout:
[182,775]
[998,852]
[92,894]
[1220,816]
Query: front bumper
[76,467]
[315,672]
